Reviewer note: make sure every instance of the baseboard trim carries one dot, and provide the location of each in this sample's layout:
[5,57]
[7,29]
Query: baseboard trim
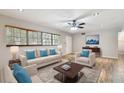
[110,57]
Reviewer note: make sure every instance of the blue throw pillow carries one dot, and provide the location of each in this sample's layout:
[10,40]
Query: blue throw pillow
[16,67]
[21,74]
[52,52]
[85,53]
[43,53]
[30,54]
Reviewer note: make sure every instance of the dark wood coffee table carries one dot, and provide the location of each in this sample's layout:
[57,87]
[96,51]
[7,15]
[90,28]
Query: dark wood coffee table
[70,76]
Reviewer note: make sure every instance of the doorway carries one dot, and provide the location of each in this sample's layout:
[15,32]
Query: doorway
[120,43]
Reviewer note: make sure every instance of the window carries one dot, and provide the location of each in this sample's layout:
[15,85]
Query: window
[34,38]
[16,36]
[47,39]
[25,37]
[56,39]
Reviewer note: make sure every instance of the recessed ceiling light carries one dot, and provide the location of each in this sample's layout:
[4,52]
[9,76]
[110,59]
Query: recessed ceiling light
[20,10]
[95,14]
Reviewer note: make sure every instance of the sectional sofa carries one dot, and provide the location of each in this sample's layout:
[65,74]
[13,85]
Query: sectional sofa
[40,61]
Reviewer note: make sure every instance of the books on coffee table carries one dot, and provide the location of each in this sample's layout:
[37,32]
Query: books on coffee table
[66,67]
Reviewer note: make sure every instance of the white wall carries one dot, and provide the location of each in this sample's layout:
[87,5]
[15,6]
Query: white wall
[68,44]
[78,41]
[108,42]
[4,51]
[121,42]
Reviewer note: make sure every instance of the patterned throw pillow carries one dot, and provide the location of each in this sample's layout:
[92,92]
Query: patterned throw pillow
[85,53]
[30,54]
[52,52]
[43,53]
[21,74]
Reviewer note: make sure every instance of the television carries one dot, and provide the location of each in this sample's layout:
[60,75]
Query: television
[92,39]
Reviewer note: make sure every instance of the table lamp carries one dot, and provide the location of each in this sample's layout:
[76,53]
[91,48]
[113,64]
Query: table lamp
[14,50]
[59,47]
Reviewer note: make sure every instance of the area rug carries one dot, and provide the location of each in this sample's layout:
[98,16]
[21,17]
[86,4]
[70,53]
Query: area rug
[47,75]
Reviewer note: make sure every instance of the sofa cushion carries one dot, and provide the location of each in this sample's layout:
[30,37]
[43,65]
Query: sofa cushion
[43,53]
[41,60]
[52,51]
[53,57]
[30,54]
[82,59]
[84,53]
[21,74]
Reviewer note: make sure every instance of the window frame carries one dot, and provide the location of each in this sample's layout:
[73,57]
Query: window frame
[33,38]
[14,37]
[51,39]
[27,37]
[54,39]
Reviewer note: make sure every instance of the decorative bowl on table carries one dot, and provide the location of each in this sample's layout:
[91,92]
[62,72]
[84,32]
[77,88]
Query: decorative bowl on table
[66,67]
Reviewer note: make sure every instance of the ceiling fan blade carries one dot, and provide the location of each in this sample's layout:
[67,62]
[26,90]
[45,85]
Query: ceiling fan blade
[82,24]
[80,27]
[70,23]
[83,33]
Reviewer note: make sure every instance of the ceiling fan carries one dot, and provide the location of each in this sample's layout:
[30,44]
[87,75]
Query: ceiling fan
[74,25]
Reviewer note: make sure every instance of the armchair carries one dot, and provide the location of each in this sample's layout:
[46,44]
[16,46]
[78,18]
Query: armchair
[86,61]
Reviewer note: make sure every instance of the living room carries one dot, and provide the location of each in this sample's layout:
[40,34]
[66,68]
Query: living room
[72,29]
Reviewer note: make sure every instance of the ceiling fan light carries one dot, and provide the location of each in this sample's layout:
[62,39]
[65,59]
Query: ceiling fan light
[74,28]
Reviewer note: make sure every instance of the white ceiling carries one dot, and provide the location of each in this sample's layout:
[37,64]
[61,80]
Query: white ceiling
[55,18]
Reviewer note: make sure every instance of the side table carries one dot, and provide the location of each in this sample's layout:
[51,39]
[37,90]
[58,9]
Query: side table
[11,62]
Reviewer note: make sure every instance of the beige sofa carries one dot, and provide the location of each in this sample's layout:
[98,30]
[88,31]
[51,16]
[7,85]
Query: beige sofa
[86,61]
[9,78]
[40,61]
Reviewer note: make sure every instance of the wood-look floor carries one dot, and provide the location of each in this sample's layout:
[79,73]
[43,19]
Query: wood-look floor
[112,70]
